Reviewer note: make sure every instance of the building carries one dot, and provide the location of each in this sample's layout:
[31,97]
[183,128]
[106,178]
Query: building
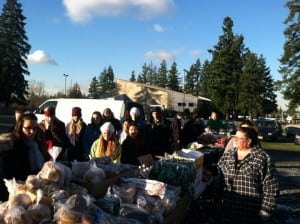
[152,95]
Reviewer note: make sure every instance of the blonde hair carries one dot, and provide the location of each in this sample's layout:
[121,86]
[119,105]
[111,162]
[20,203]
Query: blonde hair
[75,127]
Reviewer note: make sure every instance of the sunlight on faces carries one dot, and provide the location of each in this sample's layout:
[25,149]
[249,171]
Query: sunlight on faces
[107,134]
[241,141]
[29,128]
[75,118]
[96,119]
[133,131]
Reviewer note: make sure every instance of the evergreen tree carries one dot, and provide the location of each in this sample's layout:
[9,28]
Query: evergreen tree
[110,85]
[173,80]
[206,80]
[197,71]
[162,74]
[14,48]
[269,103]
[75,91]
[152,74]
[251,87]
[140,79]
[226,67]
[143,77]
[188,84]
[132,77]
[106,81]
[290,60]
[94,88]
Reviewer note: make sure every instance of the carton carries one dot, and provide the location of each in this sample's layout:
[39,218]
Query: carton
[198,157]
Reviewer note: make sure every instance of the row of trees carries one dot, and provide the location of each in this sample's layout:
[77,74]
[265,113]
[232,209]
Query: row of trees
[236,79]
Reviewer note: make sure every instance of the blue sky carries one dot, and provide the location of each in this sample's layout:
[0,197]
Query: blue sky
[80,38]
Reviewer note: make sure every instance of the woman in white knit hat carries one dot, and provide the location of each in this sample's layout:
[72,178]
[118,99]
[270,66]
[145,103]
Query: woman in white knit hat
[106,144]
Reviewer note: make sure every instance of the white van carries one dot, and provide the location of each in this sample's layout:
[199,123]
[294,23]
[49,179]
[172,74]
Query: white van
[63,108]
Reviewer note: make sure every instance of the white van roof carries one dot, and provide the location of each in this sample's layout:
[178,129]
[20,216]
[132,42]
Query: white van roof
[88,106]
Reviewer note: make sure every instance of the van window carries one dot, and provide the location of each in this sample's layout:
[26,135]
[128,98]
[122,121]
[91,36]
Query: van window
[45,105]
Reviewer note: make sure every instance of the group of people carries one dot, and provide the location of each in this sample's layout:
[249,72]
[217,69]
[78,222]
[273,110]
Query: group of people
[246,180]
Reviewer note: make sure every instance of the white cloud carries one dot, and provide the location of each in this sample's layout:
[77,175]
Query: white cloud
[195,52]
[159,55]
[158,28]
[40,57]
[81,11]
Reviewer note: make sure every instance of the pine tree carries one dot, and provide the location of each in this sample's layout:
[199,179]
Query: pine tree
[14,48]
[162,74]
[152,74]
[226,67]
[106,81]
[173,80]
[94,88]
[75,91]
[290,60]
[132,77]
[269,104]
[250,97]
[143,77]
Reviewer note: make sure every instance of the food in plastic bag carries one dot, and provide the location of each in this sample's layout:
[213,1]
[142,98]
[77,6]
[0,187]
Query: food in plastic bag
[126,193]
[22,200]
[135,212]
[15,199]
[77,203]
[17,215]
[55,172]
[94,174]
[38,211]
[79,169]
[33,183]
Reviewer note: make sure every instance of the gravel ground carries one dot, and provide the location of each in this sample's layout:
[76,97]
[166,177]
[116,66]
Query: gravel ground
[288,169]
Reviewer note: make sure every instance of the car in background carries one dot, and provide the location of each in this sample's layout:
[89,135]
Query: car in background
[230,127]
[293,132]
[268,129]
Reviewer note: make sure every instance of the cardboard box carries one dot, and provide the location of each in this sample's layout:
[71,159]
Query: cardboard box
[196,156]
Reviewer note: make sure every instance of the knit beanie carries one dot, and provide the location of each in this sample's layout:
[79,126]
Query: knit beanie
[76,111]
[134,111]
[107,126]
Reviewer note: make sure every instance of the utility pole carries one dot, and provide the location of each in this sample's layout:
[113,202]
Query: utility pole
[66,84]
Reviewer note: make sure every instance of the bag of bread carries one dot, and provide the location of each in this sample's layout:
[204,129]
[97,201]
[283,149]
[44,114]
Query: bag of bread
[33,183]
[55,172]
[77,203]
[94,174]
[17,215]
[39,212]
[79,169]
[16,199]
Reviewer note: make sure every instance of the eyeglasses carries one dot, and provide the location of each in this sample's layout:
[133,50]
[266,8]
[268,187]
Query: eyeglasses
[239,139]
[30,128]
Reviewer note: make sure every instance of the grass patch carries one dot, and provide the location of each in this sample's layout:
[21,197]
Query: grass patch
[285,146]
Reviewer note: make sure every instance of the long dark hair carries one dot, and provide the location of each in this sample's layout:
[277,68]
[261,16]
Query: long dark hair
[18,130]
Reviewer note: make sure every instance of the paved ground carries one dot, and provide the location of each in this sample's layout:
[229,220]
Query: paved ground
[288,168]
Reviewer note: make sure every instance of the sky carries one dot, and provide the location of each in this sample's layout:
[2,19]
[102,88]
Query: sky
[80,38]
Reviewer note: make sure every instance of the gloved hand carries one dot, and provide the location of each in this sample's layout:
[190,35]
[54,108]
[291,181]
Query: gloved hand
[265,216]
